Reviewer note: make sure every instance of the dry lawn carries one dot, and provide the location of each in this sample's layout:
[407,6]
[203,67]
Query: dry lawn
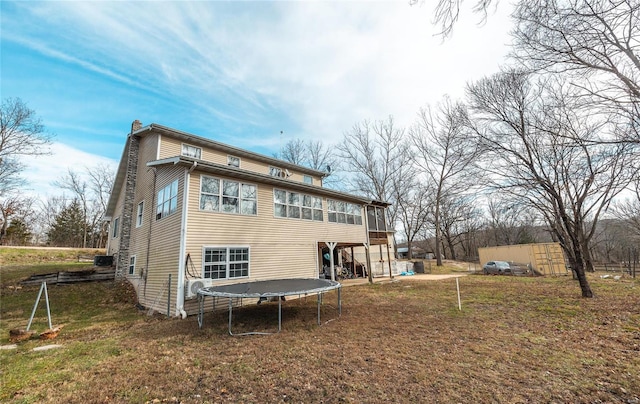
[515,340]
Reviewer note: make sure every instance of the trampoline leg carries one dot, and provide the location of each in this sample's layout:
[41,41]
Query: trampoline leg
[339,302]
[279,313]
[200,310]
[230,314]
[319,308]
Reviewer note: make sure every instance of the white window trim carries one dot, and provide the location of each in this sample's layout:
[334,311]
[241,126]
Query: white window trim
[140,214]
[276,171]
[115,230]
[300,205]
[346,213]
[129,271]
[228,248]
[304,179]
[182,152]
[221,196]
[229,157]
[165,200]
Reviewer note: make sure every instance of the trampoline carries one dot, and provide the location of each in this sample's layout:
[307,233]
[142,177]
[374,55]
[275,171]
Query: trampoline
[275,288]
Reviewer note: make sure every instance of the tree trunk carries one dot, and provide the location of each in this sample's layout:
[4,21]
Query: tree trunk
[582,280]
[577,266]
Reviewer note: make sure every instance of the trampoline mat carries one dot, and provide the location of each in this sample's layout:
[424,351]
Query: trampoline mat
[273,287]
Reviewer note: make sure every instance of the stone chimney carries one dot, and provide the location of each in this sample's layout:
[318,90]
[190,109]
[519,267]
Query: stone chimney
[126,219]
[136,125]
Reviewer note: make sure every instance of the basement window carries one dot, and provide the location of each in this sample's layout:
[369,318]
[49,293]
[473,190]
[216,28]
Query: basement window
[225,262]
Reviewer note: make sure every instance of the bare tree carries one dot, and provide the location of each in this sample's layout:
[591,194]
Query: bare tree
[14,207]
[375,154]
[413,204]
[545,153]
[21,134]
[456,215]
[21,131]
[91,190]
[447,13]
[446,154]
[628,211]
[510,222]
[313,154]
[78,187]
[101,178]
[45,212]
[594,42]
[295,152]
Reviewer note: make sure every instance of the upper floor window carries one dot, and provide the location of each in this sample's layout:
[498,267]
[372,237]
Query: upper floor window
[375,217]
[233,161]
[297,206]
[307,179]
[228,196]
[167,200]
[344,212]
[225,262]
[275,171]
[191,151]
[140,214]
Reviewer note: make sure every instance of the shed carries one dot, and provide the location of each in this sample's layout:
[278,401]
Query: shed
[545,258]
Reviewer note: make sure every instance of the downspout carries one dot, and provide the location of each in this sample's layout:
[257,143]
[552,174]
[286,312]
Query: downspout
[108,238]
[151,220]
[183,244]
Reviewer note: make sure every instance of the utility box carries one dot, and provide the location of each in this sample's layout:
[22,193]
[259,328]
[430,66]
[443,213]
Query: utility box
[103,260]
[544,258]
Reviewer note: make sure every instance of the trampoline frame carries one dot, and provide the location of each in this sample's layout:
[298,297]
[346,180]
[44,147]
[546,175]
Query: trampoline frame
[223,291]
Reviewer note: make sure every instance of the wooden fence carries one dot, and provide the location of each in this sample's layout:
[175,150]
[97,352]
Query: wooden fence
[90,275]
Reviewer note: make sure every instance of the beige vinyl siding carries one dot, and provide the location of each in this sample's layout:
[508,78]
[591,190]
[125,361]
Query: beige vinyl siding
[173,147]
[280,247]
[164,245]
[114,242]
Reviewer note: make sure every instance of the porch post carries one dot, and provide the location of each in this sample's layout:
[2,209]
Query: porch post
[389,259]
[332,246]
[369,269]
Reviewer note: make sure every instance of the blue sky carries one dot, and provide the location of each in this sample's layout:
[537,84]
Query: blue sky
[235,72]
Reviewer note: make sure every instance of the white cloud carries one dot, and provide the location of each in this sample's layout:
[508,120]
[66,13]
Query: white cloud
[43,171]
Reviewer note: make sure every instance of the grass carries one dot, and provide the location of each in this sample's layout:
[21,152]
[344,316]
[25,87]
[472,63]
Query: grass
[516,339]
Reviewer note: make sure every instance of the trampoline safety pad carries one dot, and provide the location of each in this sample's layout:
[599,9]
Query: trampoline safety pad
[278,288]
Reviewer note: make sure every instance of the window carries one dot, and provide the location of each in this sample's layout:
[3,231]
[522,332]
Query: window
[140,214]
[297,206]
[191,151]
[228,196]
[167,200]
[307,179]
[275,171]
[233,161]
[344,212]
[116,223]
[132,265]
[375,217]
[225,262]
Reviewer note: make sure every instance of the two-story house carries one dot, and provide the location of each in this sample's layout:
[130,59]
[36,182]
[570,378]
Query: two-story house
[186,211]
